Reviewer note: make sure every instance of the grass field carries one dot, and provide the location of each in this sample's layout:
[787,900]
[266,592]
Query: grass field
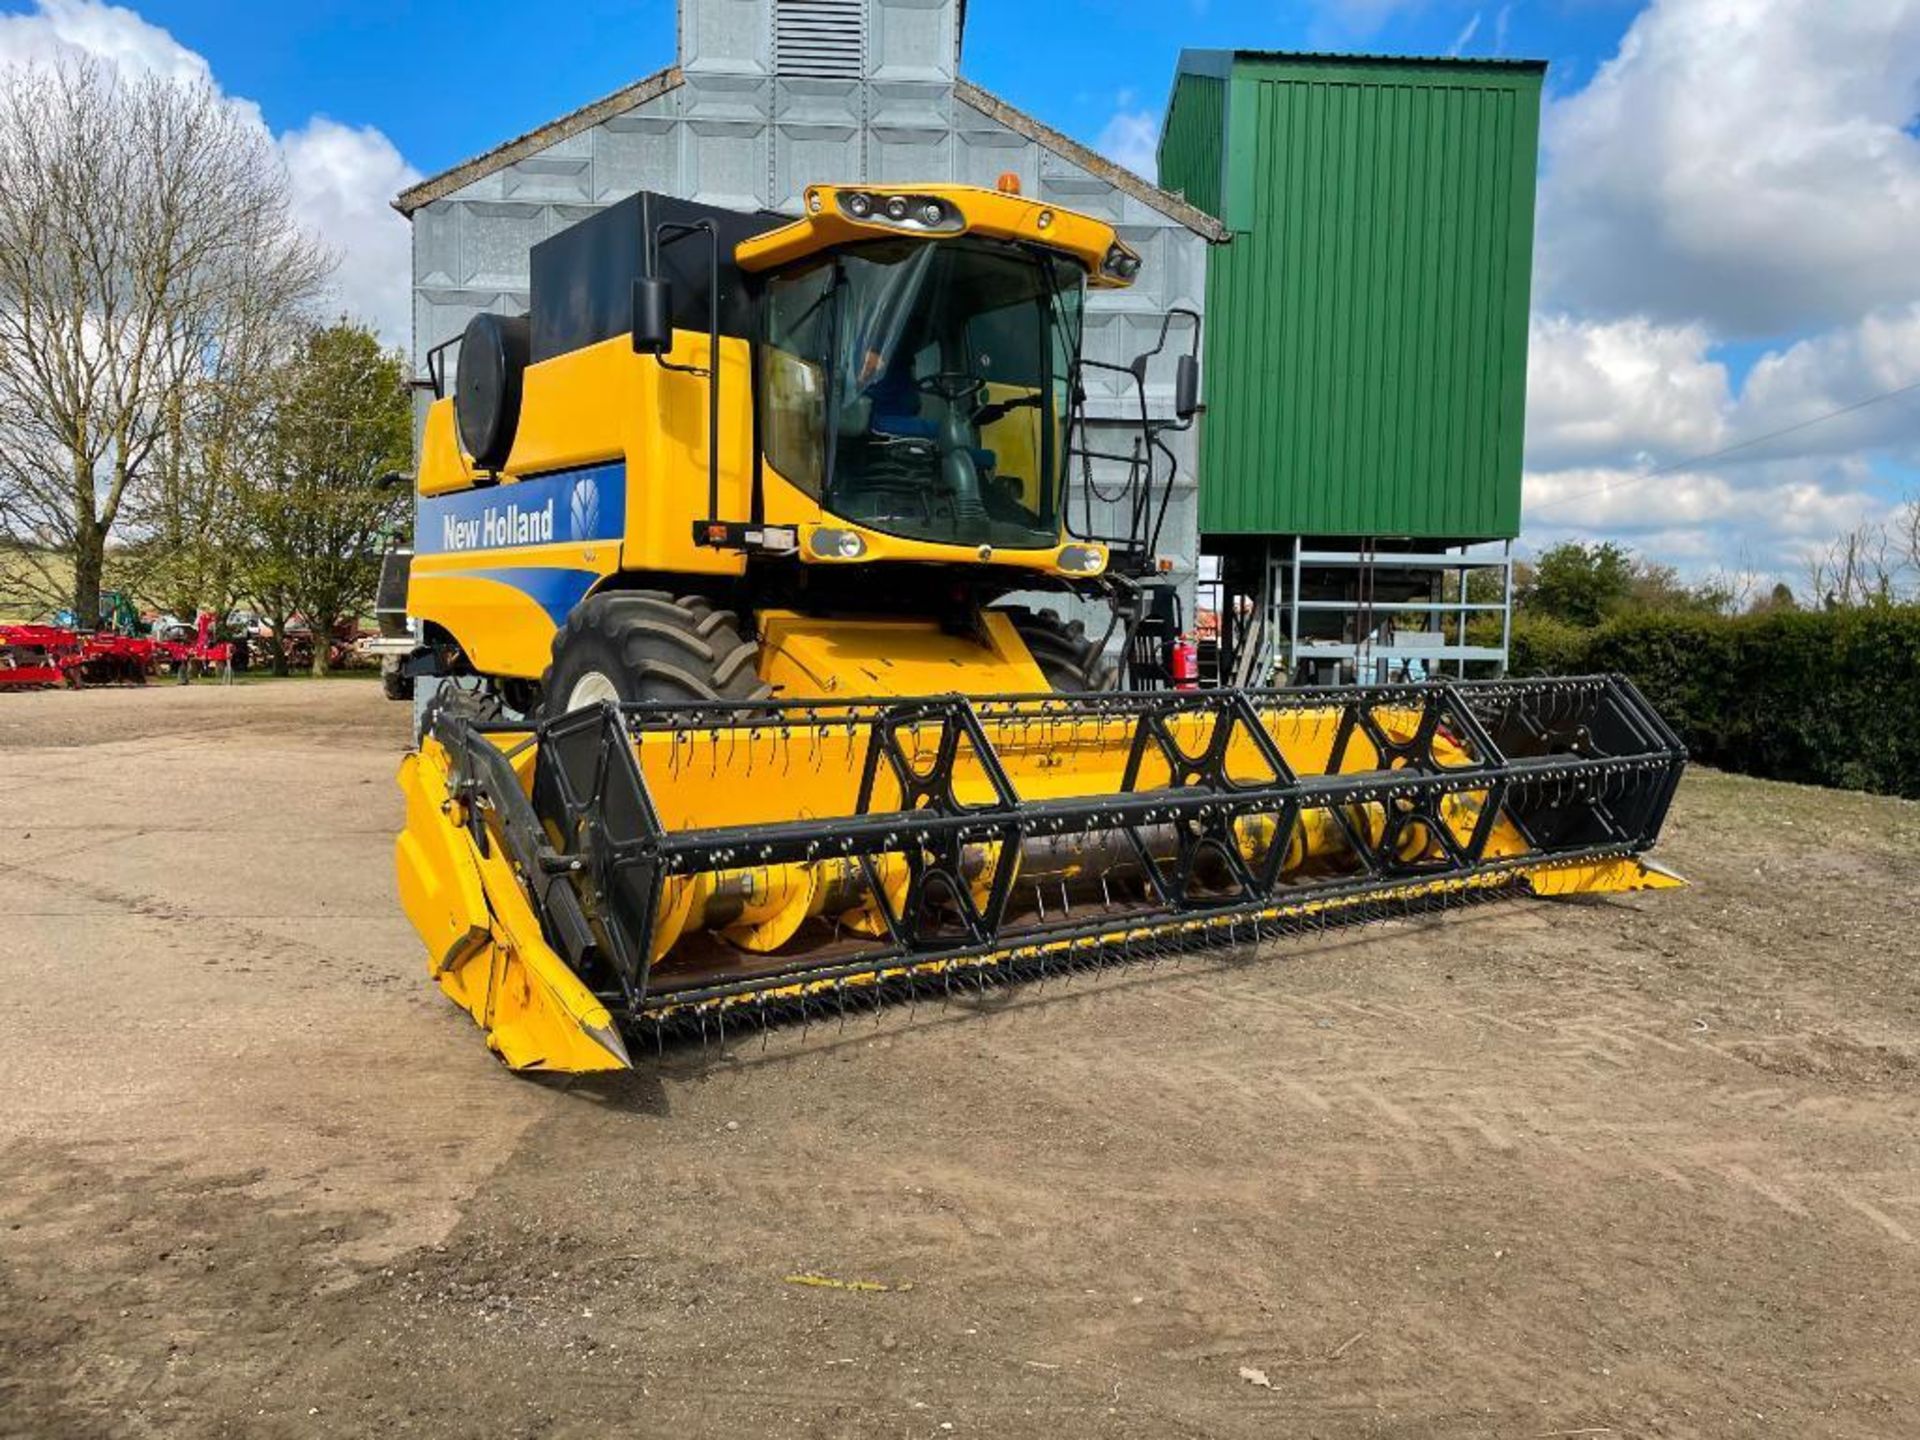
[35,583]
[25,573]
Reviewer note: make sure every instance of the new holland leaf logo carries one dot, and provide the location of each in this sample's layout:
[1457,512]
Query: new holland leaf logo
[584,509]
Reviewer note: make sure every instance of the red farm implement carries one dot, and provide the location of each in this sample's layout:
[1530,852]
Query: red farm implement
[198,656]
[105,658]
[38,656]
[33,656]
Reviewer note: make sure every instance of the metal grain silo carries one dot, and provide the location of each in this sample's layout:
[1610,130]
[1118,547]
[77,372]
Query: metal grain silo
[1366,371]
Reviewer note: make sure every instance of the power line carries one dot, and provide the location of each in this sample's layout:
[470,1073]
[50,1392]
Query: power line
[1711,455]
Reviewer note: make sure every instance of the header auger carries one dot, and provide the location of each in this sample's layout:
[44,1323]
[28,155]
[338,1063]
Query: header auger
[714,556]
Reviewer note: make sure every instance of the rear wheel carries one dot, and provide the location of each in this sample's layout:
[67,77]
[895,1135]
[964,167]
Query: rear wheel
[648,645]
[1071,662]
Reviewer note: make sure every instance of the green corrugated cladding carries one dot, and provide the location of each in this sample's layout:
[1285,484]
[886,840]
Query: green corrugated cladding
[1193,141]
[1366,350]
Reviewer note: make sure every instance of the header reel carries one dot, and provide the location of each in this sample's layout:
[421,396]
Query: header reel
[648,868]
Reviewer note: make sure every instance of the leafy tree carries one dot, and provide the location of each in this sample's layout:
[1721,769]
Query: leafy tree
[1580,584]
[316,511]
[1658,588]
[1587,585]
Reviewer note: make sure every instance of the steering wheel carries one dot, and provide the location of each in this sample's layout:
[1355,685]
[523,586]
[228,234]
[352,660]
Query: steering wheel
[952,386]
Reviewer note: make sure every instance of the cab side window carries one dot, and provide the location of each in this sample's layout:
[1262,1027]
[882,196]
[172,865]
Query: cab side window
[793,376]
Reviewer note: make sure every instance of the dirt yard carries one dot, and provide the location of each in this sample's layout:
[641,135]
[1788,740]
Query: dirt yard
[1648,1167]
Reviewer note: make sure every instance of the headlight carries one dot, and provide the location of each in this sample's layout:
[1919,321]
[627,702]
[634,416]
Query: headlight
[914,213]
[837,544]
[1082,559]
[1120,262]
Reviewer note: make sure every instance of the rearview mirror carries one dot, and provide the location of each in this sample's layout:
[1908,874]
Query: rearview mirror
[1186,387]
[652,316]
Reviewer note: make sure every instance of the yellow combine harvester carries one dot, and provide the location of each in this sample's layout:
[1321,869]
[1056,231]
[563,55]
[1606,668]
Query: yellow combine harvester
[713,555]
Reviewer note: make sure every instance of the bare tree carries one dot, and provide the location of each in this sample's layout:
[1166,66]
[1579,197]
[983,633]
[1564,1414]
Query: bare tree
[1859,568]
[187,524]
[1906,531]
[147,253]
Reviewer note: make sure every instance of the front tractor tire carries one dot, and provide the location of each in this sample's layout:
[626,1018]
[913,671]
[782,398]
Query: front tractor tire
[1071,662]
[633,646]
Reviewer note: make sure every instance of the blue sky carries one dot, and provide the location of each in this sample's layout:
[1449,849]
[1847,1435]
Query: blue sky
[1729,200]
[445,79]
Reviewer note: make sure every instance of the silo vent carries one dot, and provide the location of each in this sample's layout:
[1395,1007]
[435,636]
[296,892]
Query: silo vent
[819,39]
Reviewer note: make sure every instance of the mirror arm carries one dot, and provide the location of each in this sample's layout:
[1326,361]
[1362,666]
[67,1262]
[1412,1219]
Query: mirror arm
[671,234]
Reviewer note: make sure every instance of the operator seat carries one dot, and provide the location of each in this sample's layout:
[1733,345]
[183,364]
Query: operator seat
[897,410]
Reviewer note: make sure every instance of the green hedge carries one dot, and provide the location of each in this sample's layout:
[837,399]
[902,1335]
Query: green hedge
[1825,698]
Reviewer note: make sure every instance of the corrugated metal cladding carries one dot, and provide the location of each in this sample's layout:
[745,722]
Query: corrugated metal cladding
[1366,374]
[1193,140]
[769,96]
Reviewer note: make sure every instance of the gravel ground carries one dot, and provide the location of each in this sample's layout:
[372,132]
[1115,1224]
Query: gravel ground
[1638,1167]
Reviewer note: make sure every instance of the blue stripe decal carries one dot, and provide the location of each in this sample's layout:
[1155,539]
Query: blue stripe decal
[568,506]
[554,590]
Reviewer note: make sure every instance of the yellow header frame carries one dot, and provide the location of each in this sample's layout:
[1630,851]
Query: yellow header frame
[980,211]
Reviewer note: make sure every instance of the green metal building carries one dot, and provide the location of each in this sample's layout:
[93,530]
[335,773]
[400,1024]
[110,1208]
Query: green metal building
[1366,351]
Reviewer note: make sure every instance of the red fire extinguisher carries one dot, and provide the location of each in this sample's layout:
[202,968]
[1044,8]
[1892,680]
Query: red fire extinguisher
[1183,663]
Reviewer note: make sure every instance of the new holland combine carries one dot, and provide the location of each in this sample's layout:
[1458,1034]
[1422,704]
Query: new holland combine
[716,557]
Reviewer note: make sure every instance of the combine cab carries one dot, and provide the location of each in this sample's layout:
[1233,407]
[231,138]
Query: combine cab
[717,560]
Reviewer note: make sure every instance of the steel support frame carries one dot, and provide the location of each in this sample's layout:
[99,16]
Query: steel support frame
[1289,564]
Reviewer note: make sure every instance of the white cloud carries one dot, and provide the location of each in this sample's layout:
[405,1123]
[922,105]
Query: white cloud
[1465,37]
[1744,163]
[1131,138]
[340,178]
[58,30]
[1833,371]
[1620,413]
[1787,498]
[1601,391]
[1740,170]
[1767,519]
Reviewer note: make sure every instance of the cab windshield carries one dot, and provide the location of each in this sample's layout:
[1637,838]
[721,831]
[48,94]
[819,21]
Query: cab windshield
[921,389]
